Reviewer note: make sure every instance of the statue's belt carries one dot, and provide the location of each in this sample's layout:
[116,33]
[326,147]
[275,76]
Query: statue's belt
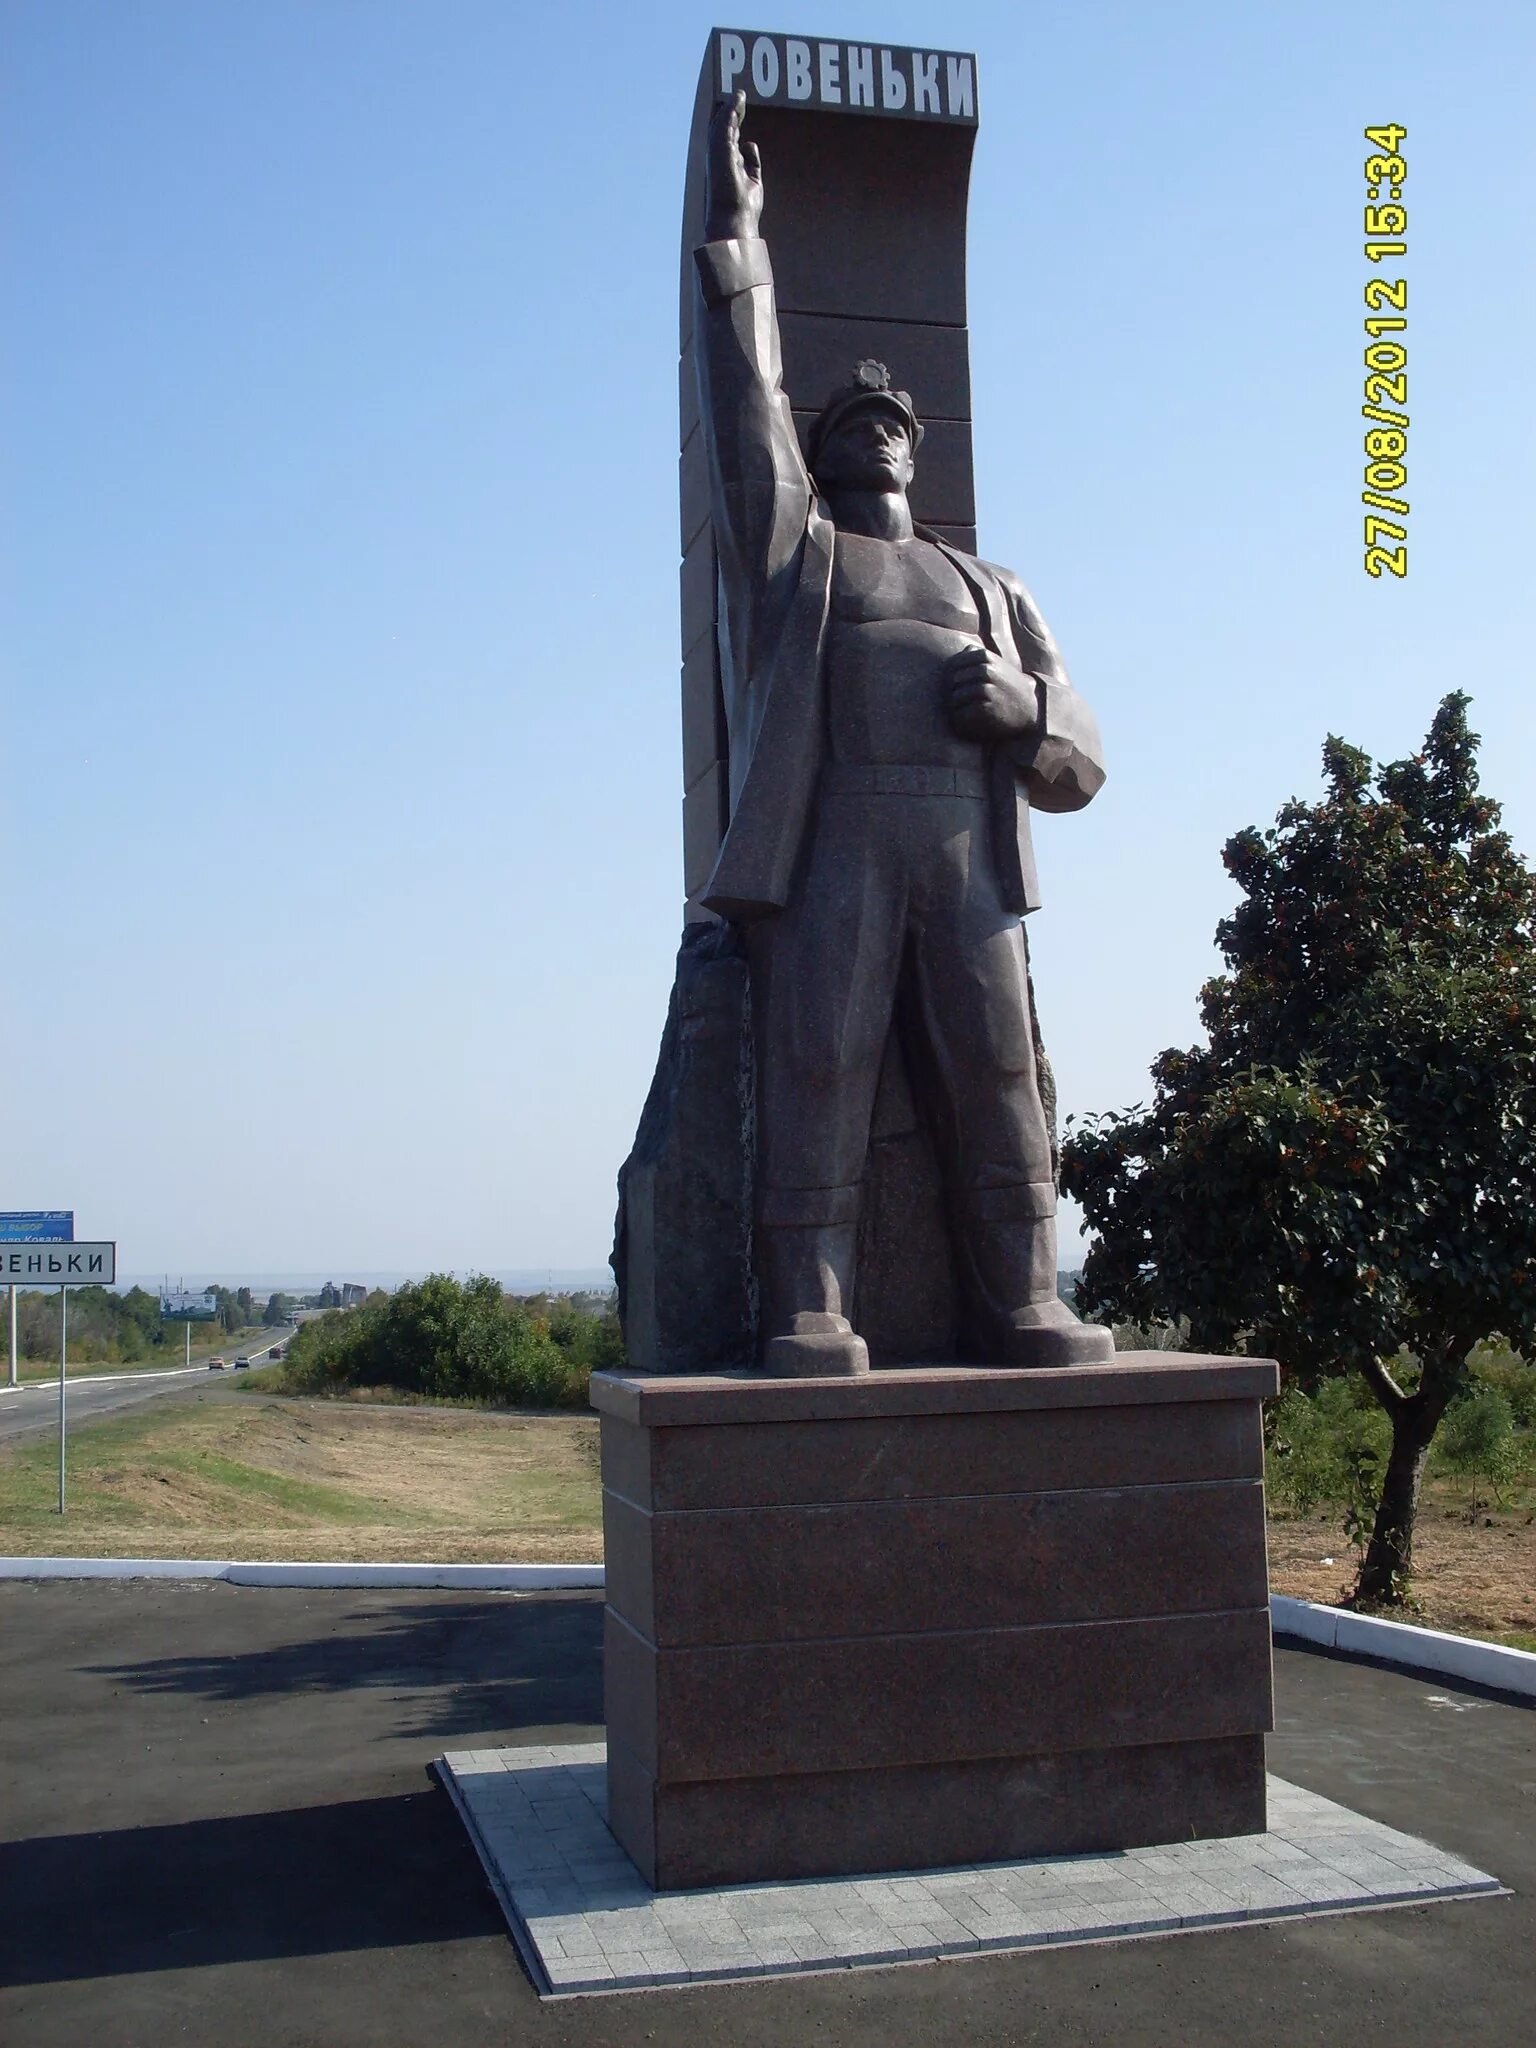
[840,778]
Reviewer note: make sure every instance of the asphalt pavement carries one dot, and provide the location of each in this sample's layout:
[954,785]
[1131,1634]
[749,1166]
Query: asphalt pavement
[218,1828]
[32,1409]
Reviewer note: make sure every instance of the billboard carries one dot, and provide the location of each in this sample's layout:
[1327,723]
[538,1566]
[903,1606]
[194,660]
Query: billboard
[180,1307]
[37,1226]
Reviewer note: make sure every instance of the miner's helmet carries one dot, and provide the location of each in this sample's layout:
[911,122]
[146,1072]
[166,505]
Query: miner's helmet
[871,386]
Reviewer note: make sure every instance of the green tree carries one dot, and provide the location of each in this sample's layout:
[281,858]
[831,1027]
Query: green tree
[104,1327]
[1478,1442]
[276,1311]
[229,1314]
[143,1309]
[1341,1176]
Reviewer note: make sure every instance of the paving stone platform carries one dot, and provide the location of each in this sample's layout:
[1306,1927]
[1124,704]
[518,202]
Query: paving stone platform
[587,1922]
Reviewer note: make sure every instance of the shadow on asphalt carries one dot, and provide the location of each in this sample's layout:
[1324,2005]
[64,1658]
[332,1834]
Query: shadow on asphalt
[369,1873]
[505,1664]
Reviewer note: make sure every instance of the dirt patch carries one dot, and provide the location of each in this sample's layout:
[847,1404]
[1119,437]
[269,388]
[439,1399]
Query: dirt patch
[1477,1579]
[429,1466]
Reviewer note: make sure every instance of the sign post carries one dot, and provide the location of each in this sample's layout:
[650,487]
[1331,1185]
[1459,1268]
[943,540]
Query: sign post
[68,1265]
[54,1261]
[63,1372]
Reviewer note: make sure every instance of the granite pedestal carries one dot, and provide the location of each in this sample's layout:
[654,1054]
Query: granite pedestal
[932,1616]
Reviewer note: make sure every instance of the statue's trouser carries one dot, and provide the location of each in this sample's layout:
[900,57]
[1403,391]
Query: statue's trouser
[899,893]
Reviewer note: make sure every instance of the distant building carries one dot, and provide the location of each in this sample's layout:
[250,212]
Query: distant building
[352,1295]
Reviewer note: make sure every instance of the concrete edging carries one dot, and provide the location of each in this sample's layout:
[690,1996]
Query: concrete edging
[1428,1651]
[523,1578]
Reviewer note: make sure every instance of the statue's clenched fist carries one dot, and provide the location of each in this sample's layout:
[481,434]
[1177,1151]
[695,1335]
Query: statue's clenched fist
[987,698]
[733,177]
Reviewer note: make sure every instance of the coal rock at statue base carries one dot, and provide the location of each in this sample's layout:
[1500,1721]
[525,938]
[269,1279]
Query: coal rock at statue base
[682,1252]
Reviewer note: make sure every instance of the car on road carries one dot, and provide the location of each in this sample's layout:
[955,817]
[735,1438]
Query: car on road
[242,1364]
[275,1354]
[216,1364]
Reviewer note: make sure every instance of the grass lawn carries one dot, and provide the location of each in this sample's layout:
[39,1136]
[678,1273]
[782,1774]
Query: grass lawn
[258,1477]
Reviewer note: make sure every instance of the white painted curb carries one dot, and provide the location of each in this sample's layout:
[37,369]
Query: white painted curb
[521,1578]
[1428,1651]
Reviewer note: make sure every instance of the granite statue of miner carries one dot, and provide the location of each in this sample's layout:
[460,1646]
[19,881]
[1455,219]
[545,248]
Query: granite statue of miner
[895,708]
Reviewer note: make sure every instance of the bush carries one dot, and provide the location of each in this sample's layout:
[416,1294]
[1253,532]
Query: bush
[459,1341]
[1477,1441]
[1325,1449]
[1495,1364]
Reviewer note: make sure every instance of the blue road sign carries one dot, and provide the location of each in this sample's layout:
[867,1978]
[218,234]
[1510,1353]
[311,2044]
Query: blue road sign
[37,1226]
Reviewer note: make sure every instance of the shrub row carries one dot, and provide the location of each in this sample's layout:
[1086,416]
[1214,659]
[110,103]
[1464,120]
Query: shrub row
[458,1340]
[1328,1448]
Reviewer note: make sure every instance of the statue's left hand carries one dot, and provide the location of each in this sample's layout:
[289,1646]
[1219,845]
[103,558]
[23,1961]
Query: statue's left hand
[987,698]
[733,176]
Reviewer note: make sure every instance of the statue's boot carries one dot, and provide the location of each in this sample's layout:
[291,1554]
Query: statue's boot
[805,1279]
[1019,1317]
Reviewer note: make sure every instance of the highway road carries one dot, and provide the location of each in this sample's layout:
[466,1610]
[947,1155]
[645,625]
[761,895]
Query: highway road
[33,1409]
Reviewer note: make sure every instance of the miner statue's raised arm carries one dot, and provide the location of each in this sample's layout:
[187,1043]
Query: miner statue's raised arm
[894,710]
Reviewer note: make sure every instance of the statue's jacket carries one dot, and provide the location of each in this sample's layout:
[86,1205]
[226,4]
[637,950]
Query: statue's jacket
[775,541]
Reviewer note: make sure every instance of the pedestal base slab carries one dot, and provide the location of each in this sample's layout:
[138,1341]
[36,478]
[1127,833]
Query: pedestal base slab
[587,1923]
[824,1824]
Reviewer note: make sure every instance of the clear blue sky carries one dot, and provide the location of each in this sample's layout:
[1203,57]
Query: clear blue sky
[340,812]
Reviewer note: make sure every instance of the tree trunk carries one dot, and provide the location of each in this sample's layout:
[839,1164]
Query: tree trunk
[1389,1556]
[1388,1559]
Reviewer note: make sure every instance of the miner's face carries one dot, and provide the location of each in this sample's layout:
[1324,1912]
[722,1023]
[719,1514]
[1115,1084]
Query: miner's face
[868,450]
